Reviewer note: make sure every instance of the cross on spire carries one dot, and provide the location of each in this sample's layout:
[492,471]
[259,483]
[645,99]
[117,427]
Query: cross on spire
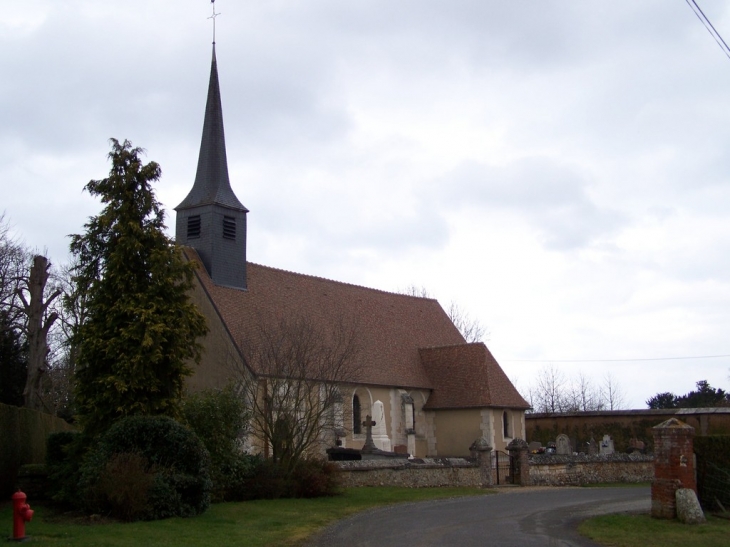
[212,3]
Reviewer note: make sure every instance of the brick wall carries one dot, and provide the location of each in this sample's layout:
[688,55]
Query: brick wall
[673,466]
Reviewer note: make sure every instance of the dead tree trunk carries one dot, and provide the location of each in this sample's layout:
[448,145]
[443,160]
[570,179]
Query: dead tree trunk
[39,323]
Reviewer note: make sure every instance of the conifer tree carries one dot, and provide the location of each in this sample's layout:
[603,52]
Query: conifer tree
[140,330]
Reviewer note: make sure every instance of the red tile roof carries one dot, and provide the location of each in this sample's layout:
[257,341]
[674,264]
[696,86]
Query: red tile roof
[468,377]
[392,329]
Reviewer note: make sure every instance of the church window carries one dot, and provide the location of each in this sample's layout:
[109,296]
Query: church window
[229,227]
[356,415]
[193,226]
[409,411]
[505,424]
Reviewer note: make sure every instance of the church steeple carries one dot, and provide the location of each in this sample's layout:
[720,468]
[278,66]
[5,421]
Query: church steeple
[211,219]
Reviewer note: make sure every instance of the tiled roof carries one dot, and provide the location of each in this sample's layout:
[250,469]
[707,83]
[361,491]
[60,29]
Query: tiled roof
[391,326]
[406,341]
[468,376]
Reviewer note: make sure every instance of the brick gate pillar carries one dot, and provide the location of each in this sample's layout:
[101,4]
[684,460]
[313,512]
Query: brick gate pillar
[518,451]
[673,466]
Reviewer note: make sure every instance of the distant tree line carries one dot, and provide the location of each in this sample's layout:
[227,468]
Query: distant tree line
[704,396]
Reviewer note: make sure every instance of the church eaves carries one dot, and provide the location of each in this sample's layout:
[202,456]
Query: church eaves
[212,185]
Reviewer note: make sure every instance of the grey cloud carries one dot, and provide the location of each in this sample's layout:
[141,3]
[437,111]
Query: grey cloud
[548,196]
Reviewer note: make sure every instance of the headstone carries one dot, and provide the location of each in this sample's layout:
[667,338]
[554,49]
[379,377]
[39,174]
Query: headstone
[592,447]
[380,434]
[534,447]
[369,445]
[607,445]
[562,445]
[688,507]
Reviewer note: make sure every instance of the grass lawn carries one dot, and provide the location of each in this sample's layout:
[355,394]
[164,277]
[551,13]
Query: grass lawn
[247,524]
[634,530]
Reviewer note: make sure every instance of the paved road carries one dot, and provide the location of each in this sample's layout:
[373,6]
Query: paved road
[514,517]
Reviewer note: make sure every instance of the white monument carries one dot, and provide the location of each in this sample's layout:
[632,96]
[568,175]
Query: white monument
[380,435]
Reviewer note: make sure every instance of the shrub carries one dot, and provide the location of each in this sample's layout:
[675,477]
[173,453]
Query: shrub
[309,478]
[219,419]
[316,478]
[168,451]
[64,453]
[125,484]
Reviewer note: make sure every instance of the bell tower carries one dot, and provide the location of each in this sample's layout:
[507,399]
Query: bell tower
[211,219]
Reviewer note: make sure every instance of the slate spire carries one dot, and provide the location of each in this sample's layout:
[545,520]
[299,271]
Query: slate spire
[212,186]
[211,219]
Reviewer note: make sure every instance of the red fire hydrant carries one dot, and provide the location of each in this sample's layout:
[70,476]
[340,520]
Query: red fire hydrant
[22,513]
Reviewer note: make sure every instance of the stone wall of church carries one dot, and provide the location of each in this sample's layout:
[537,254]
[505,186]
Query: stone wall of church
[387,408]
[455,430]
[218,362]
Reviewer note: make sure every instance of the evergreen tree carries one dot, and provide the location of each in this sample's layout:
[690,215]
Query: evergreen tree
[705,396]
[140,330]
[13,363]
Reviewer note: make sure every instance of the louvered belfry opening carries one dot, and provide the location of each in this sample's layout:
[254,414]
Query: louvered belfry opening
[229,227]
[194,227]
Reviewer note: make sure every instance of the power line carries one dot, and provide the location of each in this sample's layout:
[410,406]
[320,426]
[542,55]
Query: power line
[612,360]
[709,26]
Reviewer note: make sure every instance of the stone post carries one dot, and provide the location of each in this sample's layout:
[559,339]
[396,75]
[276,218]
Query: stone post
[673,466]
[519,456]
[481,450]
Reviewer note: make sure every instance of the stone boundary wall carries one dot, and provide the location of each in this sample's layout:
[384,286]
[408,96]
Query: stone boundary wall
[425,473]
[552,470]
[545,470]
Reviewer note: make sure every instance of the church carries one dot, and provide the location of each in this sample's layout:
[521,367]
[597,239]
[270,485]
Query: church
[429,392]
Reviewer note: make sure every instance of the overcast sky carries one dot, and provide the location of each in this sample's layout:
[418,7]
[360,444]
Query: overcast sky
[558,169]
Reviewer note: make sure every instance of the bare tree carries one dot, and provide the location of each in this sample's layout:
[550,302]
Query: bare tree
[13,260]
[548,394]
[40,319]
[292,384]
[612,394]
[582,395]
[414,290]
[469,327]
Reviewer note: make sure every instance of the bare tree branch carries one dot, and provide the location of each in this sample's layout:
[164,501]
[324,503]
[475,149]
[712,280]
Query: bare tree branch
[294,394]
[470,328]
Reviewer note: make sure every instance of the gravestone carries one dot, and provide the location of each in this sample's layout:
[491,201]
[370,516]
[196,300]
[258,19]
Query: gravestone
[369,446]
[592,447]
[534,447]
[380,434]
[607,445]
[562,445]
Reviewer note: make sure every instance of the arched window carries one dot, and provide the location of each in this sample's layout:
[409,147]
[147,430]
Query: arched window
[505,424]
[356,415]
